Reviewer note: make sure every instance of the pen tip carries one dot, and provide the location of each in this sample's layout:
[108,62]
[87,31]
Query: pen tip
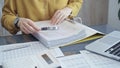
[59,67]
[35,66]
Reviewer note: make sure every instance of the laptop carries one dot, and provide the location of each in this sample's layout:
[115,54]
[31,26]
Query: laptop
[108,46]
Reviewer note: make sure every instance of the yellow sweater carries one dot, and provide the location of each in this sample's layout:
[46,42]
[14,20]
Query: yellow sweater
[35,10]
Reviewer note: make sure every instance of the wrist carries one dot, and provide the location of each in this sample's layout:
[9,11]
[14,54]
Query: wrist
[16,22]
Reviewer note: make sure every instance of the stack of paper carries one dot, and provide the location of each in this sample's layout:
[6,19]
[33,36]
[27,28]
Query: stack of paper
[68,33]
[87,60]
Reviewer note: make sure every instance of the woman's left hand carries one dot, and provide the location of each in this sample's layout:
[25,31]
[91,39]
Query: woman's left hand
[60,15]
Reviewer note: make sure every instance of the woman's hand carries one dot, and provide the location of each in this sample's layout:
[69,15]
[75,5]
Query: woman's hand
[60,15]
[27,26]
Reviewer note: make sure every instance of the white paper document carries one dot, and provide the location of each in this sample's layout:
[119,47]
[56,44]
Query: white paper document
[56,52]
[74,61]
[41,60]
[24,55]
[88,60]
[1,58]
[97,61]
[66,34]
[14,51]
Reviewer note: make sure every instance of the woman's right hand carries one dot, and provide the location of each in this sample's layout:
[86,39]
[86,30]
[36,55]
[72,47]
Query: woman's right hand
[27,26]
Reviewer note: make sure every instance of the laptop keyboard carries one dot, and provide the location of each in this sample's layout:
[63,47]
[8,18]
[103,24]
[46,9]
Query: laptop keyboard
[114,50]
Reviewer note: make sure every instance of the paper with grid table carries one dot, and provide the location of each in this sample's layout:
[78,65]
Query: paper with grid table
[88,60]
[42,60]
[32,48]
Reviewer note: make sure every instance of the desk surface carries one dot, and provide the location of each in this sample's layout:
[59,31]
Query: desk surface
[66,50]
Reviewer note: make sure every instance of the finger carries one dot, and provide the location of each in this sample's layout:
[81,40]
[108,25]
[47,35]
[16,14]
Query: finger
[57,18]
[60,19]
[26,30]
[23,30]
[54,21]
[63,18]
[54,18]
[29,28]
[33,26]
[56,13]
[21,26]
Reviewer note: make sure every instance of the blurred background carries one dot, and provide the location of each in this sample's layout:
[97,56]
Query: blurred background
[93,12]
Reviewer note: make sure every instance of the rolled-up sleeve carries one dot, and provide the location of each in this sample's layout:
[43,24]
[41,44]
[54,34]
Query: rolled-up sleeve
[9,15]
[75,5]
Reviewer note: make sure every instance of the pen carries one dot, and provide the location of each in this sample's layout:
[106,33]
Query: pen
[35,66]
[1,66]
[15,48]
[59,67]
[49,28]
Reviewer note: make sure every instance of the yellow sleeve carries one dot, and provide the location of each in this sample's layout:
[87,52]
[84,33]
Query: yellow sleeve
[75,5]
[9,15]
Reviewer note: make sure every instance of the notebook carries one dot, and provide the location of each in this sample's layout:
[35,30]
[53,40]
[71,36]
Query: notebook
[87,60]
[108,46]
[66,34]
